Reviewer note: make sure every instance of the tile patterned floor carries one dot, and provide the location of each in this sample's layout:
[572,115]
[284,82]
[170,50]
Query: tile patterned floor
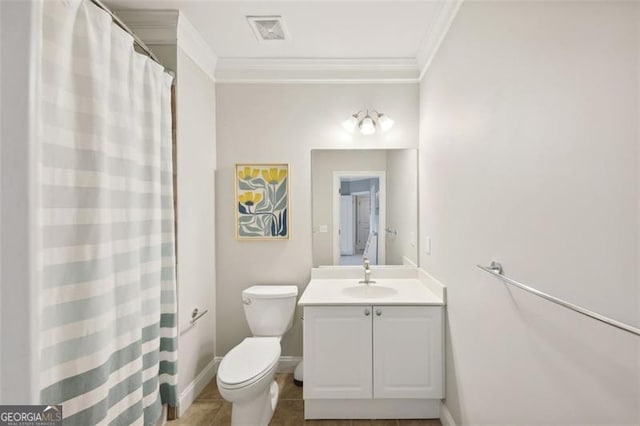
[209,409]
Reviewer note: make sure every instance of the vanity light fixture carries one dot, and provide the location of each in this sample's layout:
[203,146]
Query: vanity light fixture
[367,121]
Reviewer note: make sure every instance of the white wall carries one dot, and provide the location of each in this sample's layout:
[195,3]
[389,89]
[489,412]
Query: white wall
[282,123]
[529,154]
[196,163]
[402,206]
[20,27]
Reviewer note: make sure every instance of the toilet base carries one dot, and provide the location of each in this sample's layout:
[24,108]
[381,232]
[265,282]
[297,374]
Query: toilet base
[258,411]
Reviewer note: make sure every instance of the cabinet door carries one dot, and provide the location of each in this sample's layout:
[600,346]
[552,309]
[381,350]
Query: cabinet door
[337,352]
[407,352]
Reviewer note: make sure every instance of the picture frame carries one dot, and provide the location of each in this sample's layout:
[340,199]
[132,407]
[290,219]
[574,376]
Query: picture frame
[262,201]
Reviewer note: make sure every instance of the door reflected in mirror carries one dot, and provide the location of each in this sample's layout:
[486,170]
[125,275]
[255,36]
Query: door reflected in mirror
[359,198]
[364,204]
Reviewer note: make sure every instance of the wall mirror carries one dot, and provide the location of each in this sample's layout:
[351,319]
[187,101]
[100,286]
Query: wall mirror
[364,203]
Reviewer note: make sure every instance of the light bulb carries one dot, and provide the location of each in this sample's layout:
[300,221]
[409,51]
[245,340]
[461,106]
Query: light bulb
[385,122]
[367,126]
[350,123]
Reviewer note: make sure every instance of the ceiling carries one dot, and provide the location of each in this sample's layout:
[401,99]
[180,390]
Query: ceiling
[392,30]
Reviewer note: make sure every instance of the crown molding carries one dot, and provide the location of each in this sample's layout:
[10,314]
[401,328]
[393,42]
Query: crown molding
[335,70]
[152,26]
[438,29]
[192,43]
[162,27]
[170,27]
[319,80]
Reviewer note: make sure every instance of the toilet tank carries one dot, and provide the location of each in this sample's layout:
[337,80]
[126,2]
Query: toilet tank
[269,309]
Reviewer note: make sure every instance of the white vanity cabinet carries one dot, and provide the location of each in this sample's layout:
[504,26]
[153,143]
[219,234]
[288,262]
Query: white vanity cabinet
[373,352]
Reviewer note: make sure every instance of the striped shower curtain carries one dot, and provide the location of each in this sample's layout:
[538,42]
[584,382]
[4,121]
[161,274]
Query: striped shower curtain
[108,298]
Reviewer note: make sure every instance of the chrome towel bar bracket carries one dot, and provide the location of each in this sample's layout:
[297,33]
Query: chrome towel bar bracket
[494,267]
[195,316]
[496,270]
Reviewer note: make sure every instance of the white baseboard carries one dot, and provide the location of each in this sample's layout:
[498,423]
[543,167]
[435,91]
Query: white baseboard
[197,385]
[288,363]
[445,416]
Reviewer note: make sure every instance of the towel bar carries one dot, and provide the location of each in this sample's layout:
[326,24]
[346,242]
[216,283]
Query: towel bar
[496,270]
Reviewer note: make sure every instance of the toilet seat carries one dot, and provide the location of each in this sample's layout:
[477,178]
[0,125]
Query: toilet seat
[248,362]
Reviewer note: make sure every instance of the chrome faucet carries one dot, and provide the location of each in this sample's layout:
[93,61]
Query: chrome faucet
[367,271]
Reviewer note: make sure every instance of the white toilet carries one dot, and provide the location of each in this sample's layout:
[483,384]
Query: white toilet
[245,375]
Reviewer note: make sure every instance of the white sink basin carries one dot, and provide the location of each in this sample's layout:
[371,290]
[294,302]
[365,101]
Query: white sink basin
[371,291]
[385,291]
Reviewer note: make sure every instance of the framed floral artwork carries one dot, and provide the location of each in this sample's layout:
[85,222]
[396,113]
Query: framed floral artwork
[262,201]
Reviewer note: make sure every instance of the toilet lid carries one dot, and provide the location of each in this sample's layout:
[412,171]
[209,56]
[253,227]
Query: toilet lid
[249,360]
[270,291]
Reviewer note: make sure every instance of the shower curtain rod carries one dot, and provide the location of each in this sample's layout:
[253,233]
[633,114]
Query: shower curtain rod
[136,39]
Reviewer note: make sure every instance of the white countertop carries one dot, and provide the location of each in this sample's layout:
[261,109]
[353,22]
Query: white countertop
[385,291]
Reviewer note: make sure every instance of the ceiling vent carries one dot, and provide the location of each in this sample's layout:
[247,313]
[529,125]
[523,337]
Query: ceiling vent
[268,28]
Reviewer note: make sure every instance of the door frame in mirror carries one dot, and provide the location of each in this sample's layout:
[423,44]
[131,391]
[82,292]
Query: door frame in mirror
[382,211]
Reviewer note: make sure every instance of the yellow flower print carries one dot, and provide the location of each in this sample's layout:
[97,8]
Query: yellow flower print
[249,198]
[248,174]
[273,176]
